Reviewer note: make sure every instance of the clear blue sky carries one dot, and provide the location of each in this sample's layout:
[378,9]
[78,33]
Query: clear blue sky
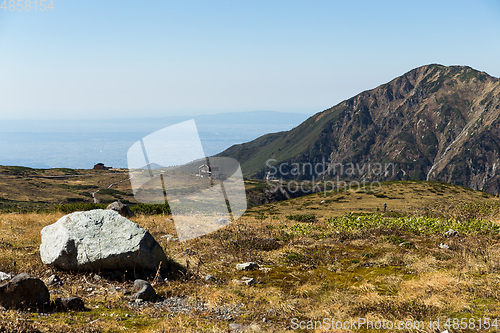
[104,59]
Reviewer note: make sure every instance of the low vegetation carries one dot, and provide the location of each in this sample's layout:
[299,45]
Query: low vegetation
[319,257]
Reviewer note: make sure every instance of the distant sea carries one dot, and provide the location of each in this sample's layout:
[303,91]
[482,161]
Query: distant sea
[81,144]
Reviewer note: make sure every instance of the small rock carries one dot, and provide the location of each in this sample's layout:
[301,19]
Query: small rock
[237,327]
[69,304]
[222,221]
[451,233]
[97,277]
[24,291]
[322,201]
[248,266]
[209,278]
[444,246]
[55,291]
[5,276]
[127,315]
[246,280]
[189,252]
[121,208]
[143,290]
[168,220]
[54,280]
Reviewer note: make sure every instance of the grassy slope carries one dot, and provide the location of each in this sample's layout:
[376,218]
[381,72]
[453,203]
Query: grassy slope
[280,146]
[31,189]
[380,266]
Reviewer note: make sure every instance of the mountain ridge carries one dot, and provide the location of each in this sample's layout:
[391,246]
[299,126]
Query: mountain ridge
[434,122]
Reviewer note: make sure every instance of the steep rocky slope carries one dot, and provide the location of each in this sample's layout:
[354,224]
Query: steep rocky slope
[432,123]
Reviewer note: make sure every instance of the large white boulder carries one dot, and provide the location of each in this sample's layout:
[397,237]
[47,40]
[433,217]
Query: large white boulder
[99,240]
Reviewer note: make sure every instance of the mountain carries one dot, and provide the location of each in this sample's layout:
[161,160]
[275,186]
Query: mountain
[432,123]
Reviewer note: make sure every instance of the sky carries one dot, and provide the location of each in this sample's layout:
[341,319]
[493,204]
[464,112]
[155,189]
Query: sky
[134,59]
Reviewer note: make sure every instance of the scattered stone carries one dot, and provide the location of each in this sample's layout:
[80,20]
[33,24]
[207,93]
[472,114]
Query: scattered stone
[188,305]
[323,201]
[127,315]
[54,280]
[55,291]
[5,276]
[189,252]
[237,327]
[121,208]
[444,246]
[69,304]
[451,233]
[209,278]
[159,279]
[143,291]
[222,221]
[168,237]
[99,240]
[246,280]
[97,277]
[248,266]
[24,291]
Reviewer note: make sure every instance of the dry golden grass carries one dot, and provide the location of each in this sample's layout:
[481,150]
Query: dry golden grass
[311,272]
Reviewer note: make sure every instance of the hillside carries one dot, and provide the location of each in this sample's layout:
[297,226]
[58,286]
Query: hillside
[432,123]
[319,257]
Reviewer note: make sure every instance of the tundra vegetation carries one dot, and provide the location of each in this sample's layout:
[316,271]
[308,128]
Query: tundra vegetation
[337,256]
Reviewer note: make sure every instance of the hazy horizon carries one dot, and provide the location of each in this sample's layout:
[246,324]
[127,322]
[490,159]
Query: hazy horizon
[95,59]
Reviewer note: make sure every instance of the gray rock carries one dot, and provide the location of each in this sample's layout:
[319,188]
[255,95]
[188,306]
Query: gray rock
[237,327]
[121,208]
[69,304]
[451,233]
[24,291]
[143,291]
[54,280]
[246,280]
[99,240]
[247,266]
[222,221]
[209,278]
[5,276]
[189,252]
[159,279]
[444,246]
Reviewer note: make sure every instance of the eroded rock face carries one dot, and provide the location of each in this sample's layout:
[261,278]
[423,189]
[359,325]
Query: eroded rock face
[99,240]
[24,291]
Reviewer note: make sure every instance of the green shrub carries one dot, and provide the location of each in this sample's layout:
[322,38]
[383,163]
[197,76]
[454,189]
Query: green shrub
[302,218]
